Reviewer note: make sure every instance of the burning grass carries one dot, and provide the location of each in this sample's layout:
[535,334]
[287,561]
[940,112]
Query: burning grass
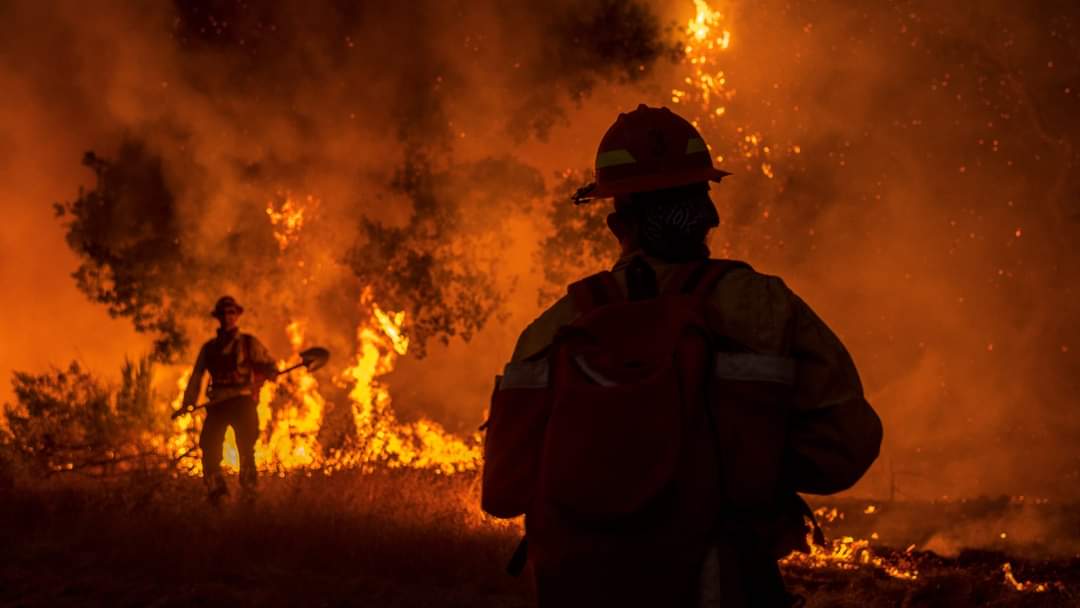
[399,538]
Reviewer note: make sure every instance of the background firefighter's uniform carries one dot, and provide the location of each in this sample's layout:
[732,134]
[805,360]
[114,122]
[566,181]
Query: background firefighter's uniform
[832,433]
[237,363]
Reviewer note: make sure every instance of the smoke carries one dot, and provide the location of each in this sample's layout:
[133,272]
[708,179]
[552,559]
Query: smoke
[356,121]
[929,215]
[908,168]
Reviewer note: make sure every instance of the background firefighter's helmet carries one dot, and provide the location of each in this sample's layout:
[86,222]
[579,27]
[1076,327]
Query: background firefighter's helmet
[223,303]
[649,149]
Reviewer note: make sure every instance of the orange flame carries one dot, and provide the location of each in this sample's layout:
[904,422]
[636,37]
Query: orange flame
[287,220]
[706,82]
[383,439]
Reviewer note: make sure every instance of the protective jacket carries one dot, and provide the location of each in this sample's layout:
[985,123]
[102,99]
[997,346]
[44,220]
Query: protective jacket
[237,363]
[829,437]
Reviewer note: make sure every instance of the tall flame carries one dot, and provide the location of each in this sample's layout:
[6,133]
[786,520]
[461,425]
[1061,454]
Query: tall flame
[706,84]
[423,444]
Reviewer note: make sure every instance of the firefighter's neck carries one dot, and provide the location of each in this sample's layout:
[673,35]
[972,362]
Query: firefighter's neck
[627,234]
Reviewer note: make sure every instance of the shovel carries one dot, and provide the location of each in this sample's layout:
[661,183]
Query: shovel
[312,358]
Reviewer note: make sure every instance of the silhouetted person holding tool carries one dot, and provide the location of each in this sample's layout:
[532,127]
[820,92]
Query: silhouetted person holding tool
[655,424]
[238,364]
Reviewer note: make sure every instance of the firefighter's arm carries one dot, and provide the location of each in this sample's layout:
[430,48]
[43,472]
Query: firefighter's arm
[834,434]
[261,361]
[194,384]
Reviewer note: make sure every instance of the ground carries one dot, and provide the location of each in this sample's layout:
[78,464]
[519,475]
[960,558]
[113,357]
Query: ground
[404,539]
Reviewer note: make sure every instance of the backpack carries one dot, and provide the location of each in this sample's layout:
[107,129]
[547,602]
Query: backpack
[603,425]
[606,442]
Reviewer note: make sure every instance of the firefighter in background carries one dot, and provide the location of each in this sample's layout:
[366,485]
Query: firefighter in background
[238,364]
[674,515]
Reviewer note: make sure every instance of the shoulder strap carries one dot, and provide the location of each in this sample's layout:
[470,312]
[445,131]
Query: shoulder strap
[593,292]
[699,277]
[703,279]
[681,275]
[245,346]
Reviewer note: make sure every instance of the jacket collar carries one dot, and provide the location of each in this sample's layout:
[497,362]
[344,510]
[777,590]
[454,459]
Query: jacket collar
[226,335]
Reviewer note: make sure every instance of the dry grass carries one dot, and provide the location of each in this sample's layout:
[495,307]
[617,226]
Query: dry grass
[387,539]
[395,539]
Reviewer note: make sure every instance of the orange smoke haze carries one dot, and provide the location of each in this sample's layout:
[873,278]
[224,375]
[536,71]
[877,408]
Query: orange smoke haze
[908,168]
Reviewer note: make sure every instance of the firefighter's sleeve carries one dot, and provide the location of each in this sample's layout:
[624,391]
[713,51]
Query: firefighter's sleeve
[194,384]
[834,435]
[261,361]
[541,333]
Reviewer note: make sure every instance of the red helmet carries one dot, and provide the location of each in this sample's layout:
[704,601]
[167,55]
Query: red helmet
[649,149]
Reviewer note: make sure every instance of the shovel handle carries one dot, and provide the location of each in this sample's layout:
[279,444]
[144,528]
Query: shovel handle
[191,408]
[289,369]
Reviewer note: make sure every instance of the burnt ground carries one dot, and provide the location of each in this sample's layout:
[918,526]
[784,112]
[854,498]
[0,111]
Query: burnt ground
[411,539]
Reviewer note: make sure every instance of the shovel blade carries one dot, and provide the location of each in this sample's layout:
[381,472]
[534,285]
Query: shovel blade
[314,357]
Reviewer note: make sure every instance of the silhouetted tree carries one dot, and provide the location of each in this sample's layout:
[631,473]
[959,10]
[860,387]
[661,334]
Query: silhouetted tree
[441,267]
[126,231]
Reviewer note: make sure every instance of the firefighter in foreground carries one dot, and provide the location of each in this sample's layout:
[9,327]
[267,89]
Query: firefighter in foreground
[656,424]
[238,364]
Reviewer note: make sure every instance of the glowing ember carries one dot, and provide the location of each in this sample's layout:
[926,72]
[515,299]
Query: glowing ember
[1028,586]
[848,553]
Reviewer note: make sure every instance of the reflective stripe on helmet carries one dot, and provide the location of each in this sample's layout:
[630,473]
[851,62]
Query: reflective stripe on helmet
[612,158]
[695,145]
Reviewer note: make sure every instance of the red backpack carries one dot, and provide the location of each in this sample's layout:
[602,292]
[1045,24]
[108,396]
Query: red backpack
[608,429]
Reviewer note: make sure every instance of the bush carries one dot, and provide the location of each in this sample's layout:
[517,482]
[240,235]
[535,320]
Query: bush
[70,420]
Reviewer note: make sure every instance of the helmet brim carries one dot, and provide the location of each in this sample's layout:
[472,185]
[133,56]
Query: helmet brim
[647,183]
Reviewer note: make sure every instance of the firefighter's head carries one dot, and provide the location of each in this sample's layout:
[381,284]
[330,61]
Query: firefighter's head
[227,312]
[657,167]
[671,224]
